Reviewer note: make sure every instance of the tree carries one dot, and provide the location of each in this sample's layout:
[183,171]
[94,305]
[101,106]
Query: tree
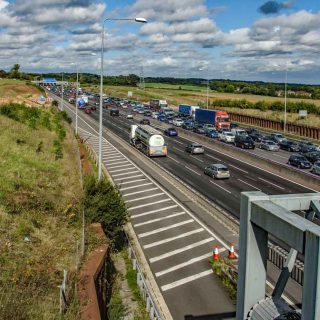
[14,72]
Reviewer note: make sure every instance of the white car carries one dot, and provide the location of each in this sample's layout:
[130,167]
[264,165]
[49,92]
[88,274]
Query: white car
[155,115]
[129,116]
[227,136]
[177,122]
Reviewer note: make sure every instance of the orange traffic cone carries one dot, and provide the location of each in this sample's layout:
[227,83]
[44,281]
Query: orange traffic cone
[216,253]
[231,252]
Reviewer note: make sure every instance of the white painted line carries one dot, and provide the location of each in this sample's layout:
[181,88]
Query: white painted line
[137,192]
[128,164]
[153,211]
[178,149]
[177,251]
[123,174]
[220,186]
[193,171]
[128,182]
[159,219]
[109,154]
[123,169]
[146,197]
[136,176]
[186,280]
[182,235]
[184,264]
[208,155]
[149,233]
[267,181]
[111,161]
[113,158]
[133,187]
[173,159]
[244,171]
[249,184]
[196,158]
[177,141]
[149,204]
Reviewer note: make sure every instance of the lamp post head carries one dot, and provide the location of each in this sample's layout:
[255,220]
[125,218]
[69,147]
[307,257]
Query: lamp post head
[142,20]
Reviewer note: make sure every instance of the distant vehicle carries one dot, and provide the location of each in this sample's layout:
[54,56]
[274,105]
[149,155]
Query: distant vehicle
[307,146]
[169,119]
[239,131]
[177,122]
[212,134]
[145,121]
[171,132]
[208,127]
[81,104]
[277,137]
[162,118]
[316,168]
[289,145]
[148,140]
[141,111]
[217,171]
[220,119]
[155,115]
[147,113]
[227,136]
[88,110]
[195,148]
[186,110]
[313,156]
[244,142]
[255,134]
[252,130]
[299,161]
[129,116]
[93,107]
[156,104]
[269,145]
[198,129]
[187,126]
[114,112]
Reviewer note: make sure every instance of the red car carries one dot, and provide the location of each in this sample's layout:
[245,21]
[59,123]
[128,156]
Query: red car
[87,110]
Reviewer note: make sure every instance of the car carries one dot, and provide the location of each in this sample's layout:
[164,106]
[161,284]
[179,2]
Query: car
[177,122]
[212,134]
[147,113]
[239,132]
[93,107]
[255,135]
[227,136]
[169,119]
[307,146]
[114,112]
[299,161]
[252,130]
[313,156]
[217,171]
[208,127]
[162,118]
[277,137]
[198,129]
[195,148]
[140,111]
[154,115]
[129,116]
[244,142]
[87,110]
[269,145]
[171,132]
[187,126]
[145,121]
[289,145]
[316,168]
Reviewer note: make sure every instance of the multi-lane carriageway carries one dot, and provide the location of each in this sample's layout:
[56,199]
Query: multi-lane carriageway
[175,239]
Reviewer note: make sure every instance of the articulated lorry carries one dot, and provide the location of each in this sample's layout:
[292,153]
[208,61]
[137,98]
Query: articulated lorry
[220,119]
[148,140]
[156,104]
[187,110]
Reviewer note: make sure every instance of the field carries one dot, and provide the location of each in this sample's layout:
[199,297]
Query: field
[195,96]
[39,196]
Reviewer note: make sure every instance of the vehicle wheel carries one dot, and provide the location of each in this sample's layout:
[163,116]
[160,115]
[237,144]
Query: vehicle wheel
[299,166]
[260,146]
[313,171]
[212,176]
[242,146]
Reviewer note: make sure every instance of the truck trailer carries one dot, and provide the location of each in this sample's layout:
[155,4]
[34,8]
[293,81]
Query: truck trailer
[187,110]
[148,140]
[156,104]
[220,119]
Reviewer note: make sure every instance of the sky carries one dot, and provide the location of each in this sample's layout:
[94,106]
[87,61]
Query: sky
[217,39]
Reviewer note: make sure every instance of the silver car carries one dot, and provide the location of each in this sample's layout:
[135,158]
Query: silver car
[316,168]
[269,145]
[217,171]
[195,148]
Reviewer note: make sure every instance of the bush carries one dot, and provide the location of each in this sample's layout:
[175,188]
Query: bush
[103,203]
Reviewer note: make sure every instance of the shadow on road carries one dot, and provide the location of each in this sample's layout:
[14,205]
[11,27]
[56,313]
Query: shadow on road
[220,316]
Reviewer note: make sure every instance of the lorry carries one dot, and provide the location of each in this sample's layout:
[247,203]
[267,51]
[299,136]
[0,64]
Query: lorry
[187,110]
[81,104]
[148,140]
[220,119]
[156,104]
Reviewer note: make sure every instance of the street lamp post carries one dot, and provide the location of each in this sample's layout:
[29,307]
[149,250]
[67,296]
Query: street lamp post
[61,101]
[285,100]
[207,76]
[142,20]
[77,89]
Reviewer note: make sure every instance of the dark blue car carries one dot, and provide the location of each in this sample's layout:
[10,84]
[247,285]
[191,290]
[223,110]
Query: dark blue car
[171,132]
[212,134]
[162,118]
[299,161]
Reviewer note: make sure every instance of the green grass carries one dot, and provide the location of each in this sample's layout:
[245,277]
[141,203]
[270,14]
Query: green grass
[10,88]
[39,199]
[167,86]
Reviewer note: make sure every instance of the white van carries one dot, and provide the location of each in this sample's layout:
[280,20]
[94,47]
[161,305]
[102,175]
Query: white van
[239,131]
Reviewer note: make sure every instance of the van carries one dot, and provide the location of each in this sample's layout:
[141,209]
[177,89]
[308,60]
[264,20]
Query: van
[239,131]
[114,112]
[244,142]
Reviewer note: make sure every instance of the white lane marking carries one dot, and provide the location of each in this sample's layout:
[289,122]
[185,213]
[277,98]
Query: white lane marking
[249,184]
[267,181]
[137,192]
[178,149]
[133,181]
[173,159]
[176,225]
[183,249]
[146,197]
[244,171]
[182,235]
[136,176]
[109,154]
[122,165]
[193,171]
[278,155]
[177,141]
[184,264]
[113,158]
[226,190]
[215,158]
[186,280]
[123,174]
[149,204]
[133,187]
[153,211]
[196,158]
[159,219]
[111,161]
[123,169]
